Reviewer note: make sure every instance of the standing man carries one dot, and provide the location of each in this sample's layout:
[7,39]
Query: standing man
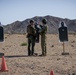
[31,35]
[43,32]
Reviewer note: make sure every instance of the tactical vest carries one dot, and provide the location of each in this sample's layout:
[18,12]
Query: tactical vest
[43,30]
[30,30]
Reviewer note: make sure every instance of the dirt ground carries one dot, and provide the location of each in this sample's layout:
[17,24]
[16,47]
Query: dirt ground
[19,63]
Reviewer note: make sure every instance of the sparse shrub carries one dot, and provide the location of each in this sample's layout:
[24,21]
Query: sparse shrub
[24,44]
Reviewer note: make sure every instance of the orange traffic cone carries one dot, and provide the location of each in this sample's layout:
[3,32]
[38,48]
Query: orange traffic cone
[3,66]
[51,73]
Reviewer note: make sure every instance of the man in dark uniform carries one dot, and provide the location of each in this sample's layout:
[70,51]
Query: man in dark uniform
[31,35]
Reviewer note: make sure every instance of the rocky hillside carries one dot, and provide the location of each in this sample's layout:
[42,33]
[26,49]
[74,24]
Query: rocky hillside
[52,22]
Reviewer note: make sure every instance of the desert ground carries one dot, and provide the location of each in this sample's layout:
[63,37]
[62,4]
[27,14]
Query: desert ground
[19,63]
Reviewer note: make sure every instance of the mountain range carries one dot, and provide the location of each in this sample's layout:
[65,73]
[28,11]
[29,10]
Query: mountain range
[52,22]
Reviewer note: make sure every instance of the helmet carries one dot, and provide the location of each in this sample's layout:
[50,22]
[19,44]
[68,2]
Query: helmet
[44,21]
[31,21]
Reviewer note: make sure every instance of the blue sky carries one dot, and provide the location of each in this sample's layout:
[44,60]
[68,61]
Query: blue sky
[12,10]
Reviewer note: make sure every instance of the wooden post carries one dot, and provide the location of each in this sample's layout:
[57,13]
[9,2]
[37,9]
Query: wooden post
[64,53]
[63,47]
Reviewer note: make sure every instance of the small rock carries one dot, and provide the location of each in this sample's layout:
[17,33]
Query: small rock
[52,46]
[73,73]
[73,41]
[72,45]
[58,59]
